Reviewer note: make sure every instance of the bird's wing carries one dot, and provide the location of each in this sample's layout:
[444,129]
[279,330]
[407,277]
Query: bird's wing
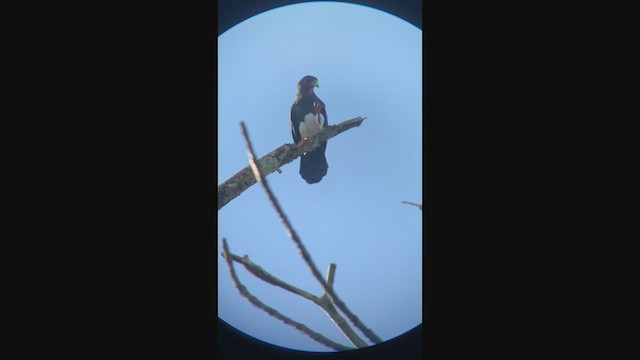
[296,118]
[324,113]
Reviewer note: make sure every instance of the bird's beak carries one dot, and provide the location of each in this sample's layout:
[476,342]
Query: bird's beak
[315,84]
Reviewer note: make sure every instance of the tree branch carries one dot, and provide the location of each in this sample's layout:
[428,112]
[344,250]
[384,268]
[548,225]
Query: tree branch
[242,180]
[265,276]
[323,302]
[331,274]
[335,316]
[303,250]
[273,312]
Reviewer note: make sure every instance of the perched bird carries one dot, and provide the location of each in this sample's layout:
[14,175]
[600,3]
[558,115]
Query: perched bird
[308,116]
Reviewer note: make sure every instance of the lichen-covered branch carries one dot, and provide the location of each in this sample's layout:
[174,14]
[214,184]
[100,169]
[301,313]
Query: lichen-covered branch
[243,179]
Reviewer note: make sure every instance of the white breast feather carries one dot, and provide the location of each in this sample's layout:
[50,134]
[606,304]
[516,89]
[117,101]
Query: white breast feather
[310,125]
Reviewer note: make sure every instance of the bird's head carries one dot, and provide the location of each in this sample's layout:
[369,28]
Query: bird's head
[307,83]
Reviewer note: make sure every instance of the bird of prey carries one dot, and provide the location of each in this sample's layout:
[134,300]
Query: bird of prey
[308,116]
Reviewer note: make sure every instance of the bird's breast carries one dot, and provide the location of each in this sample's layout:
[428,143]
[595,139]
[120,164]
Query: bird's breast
[312,124]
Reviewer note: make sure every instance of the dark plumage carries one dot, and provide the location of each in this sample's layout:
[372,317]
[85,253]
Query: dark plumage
[308,116]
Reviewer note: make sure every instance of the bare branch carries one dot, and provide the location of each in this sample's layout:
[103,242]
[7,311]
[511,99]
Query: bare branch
[303,250]
[331,274]
[341,323]
[283,155]
[273,312]
[335,316]
[323,302]
[262,274]
[414,204]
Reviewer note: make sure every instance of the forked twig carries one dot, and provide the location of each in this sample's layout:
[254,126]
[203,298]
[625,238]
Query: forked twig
[323,302]
[271,311]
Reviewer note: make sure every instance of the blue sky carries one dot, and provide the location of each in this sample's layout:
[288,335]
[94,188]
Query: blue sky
[369,64]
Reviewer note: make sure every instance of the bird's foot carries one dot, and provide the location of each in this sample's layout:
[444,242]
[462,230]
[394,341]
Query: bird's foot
[302,141]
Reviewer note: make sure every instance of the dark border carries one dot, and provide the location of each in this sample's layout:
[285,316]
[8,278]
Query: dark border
[234,344]
[232,12]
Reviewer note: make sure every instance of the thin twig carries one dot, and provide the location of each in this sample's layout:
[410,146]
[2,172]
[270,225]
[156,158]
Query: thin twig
[303,250]
[331,274]
[411,203]
[262,274]
[273,312]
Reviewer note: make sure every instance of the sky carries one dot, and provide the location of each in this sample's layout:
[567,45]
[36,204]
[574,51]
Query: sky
[368,63]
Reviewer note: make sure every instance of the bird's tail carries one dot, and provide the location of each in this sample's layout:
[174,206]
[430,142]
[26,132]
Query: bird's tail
[313,165]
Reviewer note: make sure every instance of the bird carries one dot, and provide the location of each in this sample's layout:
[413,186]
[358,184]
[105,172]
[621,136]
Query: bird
[308,116]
